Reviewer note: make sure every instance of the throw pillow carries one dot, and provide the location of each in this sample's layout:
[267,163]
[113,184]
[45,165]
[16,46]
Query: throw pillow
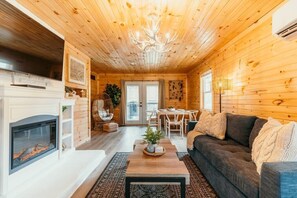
[239,127]
[218,126]
[214,126]
[204,122]
[275,142]
[255,131]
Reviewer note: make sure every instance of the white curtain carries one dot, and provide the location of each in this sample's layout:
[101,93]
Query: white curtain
[161,94]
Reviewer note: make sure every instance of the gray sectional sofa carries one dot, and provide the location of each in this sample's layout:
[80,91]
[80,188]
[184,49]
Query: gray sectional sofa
[228,166]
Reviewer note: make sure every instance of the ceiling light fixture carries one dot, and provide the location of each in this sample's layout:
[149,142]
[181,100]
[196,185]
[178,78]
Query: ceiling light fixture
[151,41]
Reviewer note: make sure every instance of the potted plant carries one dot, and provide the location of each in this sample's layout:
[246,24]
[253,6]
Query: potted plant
[171,108]
[152,138]
[114,92]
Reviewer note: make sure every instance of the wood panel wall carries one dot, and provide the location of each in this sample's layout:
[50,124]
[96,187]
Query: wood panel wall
[82,115]
[263,72]
[107,78]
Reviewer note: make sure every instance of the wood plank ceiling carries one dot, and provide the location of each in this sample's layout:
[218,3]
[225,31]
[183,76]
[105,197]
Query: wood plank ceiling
[15,35]
[99,28]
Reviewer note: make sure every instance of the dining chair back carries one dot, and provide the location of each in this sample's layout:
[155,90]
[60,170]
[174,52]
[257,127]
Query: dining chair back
[153,119]
[193,116]
[177,120]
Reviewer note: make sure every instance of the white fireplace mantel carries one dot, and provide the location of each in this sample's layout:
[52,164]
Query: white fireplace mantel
[17,103]
[28,92]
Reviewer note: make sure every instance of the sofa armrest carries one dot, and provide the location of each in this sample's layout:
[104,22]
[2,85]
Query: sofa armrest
[278,179]
[191,125]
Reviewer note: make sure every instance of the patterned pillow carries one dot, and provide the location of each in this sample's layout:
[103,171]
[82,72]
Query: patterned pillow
[275,142]
[204,122]
[218,126]
[212,125]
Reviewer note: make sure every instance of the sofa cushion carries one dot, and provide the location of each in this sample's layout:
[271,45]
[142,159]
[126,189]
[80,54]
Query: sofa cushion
[255,131]
[239,127]
[218,126]
[232,160]
[275,142]
[204,122]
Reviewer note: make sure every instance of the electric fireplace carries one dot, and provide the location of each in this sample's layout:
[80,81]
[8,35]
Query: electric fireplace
[31,139]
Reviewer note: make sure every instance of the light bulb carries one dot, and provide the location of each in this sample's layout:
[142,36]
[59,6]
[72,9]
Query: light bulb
[220,84]
[167,35]
[137,35]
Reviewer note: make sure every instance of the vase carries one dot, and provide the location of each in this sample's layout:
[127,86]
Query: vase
[151,147]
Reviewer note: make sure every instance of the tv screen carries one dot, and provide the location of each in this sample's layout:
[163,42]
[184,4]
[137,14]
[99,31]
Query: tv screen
[26,46]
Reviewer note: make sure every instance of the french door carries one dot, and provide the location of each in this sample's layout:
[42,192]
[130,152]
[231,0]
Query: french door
[141,98]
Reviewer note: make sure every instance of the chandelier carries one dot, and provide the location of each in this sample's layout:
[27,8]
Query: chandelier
[151,40]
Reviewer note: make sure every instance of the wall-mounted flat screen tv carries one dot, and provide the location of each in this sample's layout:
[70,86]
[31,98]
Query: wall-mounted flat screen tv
[28,47]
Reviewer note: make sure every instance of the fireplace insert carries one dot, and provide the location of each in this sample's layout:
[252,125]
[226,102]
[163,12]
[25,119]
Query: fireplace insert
[31,139]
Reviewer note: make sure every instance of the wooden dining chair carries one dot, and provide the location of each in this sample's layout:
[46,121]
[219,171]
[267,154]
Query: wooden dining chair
[193,116]
[176,120]
[153,120]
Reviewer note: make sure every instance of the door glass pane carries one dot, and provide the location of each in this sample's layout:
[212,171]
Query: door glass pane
[132,110]
[152,97]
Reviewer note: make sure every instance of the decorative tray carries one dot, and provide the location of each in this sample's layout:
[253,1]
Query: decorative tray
[154,154]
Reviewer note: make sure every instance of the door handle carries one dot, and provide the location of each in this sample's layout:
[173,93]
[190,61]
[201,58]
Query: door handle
[140,104]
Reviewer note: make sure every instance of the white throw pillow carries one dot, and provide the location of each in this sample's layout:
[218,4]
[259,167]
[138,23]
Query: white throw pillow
[275,142]
[212,125]
[204,122]
[218,126]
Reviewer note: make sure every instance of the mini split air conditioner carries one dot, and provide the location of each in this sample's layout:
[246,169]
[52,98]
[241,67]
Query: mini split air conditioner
[284,21]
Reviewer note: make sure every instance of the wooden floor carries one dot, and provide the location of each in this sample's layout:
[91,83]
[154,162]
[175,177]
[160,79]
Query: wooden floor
[117,142]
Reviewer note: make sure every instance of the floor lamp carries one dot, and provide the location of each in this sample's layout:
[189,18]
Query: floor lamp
[220,98]
[223,85]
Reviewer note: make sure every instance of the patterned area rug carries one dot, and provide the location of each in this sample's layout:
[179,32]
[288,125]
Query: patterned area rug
[111,183]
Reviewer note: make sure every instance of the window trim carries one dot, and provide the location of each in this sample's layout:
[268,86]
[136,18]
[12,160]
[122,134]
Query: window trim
[202,91]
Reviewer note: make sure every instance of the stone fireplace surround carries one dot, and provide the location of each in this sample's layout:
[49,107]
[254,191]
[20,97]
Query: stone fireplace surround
[17,103]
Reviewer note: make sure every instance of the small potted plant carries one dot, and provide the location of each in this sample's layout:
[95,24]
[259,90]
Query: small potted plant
[152,138]
[171,108]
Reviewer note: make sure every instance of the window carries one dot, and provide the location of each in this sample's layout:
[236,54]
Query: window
[206,91]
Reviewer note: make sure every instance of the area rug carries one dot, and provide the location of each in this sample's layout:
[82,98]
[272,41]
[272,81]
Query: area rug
[111,183]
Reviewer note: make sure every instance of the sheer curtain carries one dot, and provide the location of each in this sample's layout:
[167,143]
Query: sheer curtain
[161,94]
[123,103]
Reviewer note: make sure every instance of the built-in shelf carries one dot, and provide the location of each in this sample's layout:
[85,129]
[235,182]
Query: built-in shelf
[66,136]
[67,120]
[66,126]
[66,151]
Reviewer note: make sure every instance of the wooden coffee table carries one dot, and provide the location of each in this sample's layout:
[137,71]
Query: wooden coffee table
[163,169]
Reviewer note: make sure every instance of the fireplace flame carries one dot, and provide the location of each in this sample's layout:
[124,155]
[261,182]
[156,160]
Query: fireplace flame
[27,153]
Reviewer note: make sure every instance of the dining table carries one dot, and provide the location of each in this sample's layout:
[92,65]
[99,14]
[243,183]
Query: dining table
[164,112]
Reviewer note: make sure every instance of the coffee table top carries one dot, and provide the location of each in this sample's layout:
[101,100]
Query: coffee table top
[167,165]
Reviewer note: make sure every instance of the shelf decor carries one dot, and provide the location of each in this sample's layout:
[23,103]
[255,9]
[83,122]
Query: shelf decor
[77,71]
[66,138]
